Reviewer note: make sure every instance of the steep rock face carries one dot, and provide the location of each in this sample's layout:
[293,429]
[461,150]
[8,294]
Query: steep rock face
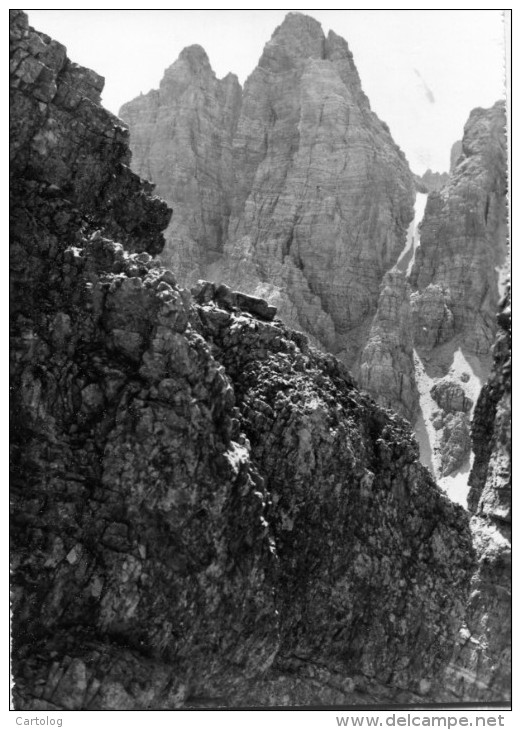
[490,479]
[321,196]
[182,140]
[463,238]
[175,460]
[482,664]
[387,363]
[455,153]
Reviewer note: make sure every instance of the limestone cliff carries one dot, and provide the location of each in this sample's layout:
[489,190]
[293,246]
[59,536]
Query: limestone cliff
[387,361]
[182,140]
[314,196]
[205,510]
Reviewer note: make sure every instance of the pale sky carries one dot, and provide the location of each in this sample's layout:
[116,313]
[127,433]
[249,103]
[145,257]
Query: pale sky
[423,70]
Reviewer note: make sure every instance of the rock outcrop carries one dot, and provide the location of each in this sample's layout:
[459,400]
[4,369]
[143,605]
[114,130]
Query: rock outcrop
[310,197]
[387,363]
[482,664]
[205,510]
[455,153]
[182,137]
[431,181]
[490,480]
[464,240]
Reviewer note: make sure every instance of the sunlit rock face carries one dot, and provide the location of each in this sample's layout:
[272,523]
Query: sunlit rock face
[205,509]
[387,363]
[317,195]
[182,140]
[455,152]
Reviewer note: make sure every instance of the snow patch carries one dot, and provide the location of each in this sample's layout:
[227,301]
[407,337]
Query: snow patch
[456,485]
[236,455]
[426,434]
[460,370]
[406,259]
[503,277]
[469,378]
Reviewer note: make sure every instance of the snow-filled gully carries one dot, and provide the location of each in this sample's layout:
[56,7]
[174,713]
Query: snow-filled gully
[454,485]
[407,256]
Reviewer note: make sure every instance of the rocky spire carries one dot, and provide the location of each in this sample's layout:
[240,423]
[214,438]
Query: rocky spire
[298,38]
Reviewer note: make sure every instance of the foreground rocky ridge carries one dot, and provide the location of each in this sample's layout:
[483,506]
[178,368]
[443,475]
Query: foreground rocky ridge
[205,509]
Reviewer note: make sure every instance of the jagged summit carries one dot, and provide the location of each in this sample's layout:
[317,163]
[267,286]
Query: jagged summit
[337,45]
[191,66]
[298,38]
[195,55]
[298,24]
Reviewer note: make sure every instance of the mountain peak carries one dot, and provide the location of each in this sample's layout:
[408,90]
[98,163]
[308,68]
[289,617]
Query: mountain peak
[192,63]
[300,22]
[196,57]
[297,38]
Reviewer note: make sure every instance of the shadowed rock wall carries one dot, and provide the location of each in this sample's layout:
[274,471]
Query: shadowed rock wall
[482,663]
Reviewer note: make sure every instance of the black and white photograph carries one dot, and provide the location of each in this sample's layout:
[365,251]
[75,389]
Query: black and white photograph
[260,365]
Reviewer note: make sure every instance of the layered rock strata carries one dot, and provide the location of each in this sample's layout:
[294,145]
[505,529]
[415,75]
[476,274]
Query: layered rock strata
[182,137]
[175,460]
[387,362]
[315,197]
